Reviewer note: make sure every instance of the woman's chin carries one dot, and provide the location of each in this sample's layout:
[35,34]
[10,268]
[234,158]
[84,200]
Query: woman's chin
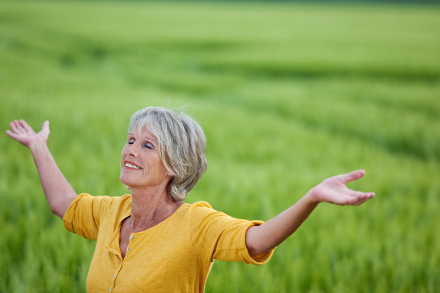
[126,181]
[130,183]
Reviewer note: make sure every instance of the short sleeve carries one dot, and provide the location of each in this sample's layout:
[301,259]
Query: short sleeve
[84,214]
[218,236]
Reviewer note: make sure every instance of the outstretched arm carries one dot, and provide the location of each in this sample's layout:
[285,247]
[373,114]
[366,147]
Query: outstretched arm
[58,191]
[332,190]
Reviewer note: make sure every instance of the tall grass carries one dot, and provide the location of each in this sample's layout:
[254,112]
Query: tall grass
[287,94]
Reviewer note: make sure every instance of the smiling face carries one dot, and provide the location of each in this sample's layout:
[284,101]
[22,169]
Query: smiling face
[141,166]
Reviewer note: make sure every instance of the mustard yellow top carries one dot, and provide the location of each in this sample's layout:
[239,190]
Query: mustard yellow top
[176,255]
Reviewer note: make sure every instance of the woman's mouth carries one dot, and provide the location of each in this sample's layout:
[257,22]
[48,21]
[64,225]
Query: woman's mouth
[131,165]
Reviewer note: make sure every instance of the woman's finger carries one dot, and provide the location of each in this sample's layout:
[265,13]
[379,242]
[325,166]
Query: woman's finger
[362,197]
[355,175]
[20,127]
[45,125]
[361,201]
[12,135]
[355,198]
[26,127]
[343,200]
[16,128]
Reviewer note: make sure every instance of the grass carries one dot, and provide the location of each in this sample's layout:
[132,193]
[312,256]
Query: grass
[287,94]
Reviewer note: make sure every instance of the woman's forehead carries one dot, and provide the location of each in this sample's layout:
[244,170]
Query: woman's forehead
[143,131]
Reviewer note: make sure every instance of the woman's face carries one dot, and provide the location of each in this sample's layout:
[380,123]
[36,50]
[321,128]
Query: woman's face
[141,165]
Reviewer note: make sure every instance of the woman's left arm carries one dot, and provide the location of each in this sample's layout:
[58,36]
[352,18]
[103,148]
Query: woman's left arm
[332,190]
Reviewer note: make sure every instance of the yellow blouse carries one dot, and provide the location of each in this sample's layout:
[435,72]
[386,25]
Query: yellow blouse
[176,255]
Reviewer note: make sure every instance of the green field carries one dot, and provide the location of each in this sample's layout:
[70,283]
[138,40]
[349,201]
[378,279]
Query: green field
[287,94]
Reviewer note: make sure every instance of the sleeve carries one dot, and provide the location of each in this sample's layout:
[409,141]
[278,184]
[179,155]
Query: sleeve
[84,215]
[216,235]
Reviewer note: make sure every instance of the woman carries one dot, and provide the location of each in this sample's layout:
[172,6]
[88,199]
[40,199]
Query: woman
[151,241]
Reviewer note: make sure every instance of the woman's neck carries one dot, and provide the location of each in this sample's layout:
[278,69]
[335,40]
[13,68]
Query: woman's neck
[149,208]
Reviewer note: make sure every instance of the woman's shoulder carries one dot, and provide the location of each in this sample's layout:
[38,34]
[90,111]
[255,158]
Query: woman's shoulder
[104,202]
[202,210]
[200,204]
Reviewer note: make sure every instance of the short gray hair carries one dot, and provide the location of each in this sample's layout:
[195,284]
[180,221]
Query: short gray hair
[182,146]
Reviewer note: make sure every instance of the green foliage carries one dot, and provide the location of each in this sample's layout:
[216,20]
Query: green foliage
[288,94]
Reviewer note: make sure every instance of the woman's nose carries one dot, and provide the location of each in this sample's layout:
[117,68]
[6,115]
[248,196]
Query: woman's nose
[132,150]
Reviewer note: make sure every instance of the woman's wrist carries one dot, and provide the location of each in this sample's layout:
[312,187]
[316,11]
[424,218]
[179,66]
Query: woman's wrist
[310,198]
[37,146]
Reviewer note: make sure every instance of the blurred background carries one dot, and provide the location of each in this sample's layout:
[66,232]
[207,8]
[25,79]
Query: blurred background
[288,94]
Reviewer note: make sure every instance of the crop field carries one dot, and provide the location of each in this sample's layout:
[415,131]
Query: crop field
[287,94]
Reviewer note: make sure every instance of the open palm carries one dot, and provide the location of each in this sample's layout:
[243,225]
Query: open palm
[25,135]
[334,190]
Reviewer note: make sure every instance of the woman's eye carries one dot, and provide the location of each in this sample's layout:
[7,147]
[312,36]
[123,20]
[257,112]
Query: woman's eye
[131,141]
[148,145]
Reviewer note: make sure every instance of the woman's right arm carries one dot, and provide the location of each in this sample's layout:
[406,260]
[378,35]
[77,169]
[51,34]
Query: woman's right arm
[58,191]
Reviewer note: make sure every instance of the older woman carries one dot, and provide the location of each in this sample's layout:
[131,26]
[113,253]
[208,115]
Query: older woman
[150,240]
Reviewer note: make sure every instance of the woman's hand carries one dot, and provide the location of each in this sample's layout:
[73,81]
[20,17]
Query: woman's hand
[58,191]
[25,135]
[334,190]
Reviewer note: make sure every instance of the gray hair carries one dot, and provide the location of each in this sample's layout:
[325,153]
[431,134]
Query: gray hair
[182,146]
